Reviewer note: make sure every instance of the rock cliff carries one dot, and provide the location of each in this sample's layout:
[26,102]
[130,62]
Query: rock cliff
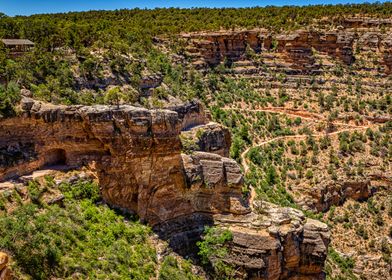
[296,52]
[136,154]
[299,46]
[211,48]
[277,243]
[325,196]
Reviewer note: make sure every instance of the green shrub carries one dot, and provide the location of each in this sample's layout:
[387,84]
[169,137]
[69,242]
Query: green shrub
[361,231]
[345,264]
[213,249]
[9,97]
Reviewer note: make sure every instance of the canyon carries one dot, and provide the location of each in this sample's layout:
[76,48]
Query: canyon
[281,136]
[136,155]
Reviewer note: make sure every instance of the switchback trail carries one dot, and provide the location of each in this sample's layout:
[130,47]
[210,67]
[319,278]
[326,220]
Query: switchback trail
[303,115]
[296,113]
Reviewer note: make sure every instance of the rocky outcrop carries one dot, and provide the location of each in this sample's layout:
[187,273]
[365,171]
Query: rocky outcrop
[136,154]
[298,46]
[357,22]
[150,81]
[295,52]
[386,51]
[277,243]
[211,137]
[5,272]
[215,184]
[326,195]
[270,243]
[190,114]
[211,48]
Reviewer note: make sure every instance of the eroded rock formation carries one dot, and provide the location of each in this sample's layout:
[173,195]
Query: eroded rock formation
[327,195]
[210,137]
[277,243]
[298,46]
[294,51]
[212,47]
[136,154]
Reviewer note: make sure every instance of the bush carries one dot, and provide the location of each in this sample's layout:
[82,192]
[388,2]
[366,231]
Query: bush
[213,250]
[9,97]
[346,264]
[309,174]
[361,231]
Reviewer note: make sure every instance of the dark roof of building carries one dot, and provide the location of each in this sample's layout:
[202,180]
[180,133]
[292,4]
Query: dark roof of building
[16,42]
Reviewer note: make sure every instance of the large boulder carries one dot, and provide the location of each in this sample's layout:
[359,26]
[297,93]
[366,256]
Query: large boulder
[211,137]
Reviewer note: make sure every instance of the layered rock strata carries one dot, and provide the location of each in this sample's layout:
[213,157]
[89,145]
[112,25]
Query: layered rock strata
[270,243]
[295,51]
[326,195]
[277,243]
[136,154]
[211,48]
[190,114]
[299,46]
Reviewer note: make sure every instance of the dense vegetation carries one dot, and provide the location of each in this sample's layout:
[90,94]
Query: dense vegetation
[77,55]
[77,241]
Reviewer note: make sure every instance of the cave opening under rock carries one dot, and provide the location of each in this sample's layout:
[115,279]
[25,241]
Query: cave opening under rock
[56,157]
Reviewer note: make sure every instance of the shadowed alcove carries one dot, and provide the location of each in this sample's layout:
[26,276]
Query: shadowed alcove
[55,157]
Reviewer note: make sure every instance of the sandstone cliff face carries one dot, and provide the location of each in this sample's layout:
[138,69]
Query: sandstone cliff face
[386,50]
[277,243]
[190,114]
[327,195]
[136,154]
[298,46]
[212,47]
[293,51]
[216,184]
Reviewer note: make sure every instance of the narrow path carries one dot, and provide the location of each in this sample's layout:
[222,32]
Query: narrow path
[291,112]
[312,117]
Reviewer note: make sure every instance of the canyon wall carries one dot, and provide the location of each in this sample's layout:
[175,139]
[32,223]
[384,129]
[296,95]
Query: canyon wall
[136,154]
[212,47]
[296,52]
